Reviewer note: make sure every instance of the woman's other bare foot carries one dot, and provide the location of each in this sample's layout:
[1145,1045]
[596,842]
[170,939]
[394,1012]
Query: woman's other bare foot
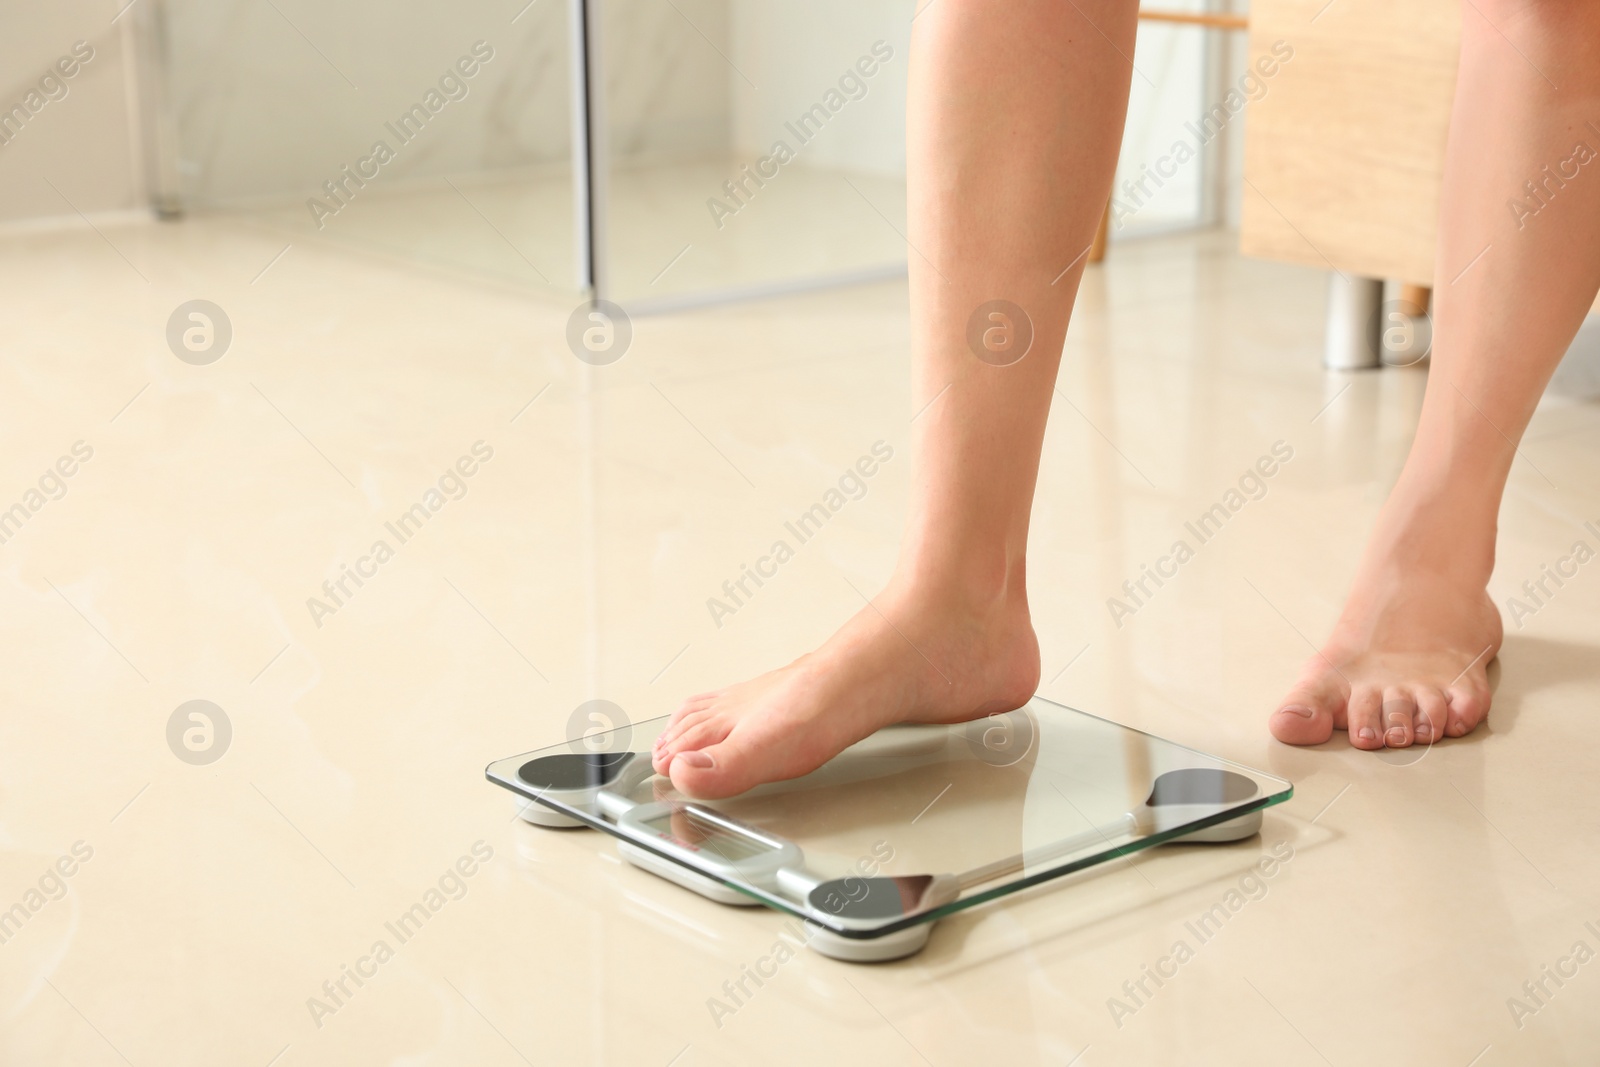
[1408,660]
[1411,650]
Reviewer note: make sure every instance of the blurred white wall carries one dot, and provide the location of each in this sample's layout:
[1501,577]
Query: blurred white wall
[81,143]
[666,98]
[796,53]
[1169,82]
[1183,73]
[271,104]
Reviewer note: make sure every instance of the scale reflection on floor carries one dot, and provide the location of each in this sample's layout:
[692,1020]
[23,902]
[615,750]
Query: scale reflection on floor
[908,826]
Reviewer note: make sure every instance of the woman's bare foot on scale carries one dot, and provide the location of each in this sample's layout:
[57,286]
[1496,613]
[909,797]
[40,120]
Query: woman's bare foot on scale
[1408,660]
[915,654]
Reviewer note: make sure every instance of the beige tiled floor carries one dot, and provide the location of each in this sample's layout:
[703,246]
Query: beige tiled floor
[1424,888]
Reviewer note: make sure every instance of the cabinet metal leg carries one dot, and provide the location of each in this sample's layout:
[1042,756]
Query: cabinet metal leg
[1353,338]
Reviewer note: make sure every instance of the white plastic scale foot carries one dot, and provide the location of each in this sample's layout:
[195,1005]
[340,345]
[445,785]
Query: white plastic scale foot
[895,946]
[1232,830]
[537,814]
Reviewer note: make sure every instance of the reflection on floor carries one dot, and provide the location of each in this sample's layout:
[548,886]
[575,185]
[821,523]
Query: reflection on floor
[233,911]
[665,240]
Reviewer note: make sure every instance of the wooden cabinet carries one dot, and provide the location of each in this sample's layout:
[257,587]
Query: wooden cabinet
[1344,152]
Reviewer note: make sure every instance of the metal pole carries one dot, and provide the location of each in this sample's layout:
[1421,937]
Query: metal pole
[588,145]
[146,34]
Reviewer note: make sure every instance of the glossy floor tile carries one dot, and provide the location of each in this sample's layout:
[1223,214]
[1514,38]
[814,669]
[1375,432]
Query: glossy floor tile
[328,879]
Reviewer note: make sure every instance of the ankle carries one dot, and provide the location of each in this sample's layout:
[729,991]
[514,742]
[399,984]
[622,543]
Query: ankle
[974,583]
[1442,525]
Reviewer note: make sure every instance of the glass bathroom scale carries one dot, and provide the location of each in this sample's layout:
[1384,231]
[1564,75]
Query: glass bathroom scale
[905,827]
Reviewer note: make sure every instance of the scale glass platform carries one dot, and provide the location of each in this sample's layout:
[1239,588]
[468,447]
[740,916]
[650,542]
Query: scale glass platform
[905,827]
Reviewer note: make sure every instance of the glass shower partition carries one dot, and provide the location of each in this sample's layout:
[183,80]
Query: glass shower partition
[748,147]
[432,133]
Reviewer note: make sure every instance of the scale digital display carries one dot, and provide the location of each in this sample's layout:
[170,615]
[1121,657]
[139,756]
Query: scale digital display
[689,826]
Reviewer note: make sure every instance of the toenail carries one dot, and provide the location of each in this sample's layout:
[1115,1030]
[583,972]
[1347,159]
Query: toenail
[701,760]
[1367,734]
[1423,732]
[1396,736]
[1300,710]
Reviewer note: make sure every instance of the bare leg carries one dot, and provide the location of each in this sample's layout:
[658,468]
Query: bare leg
[1016,112]
[1408,658]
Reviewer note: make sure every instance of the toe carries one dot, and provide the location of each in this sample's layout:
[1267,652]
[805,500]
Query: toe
[1469,706]
[705,731]
[661,752]
[666,744]
[1365,717]
[713,772]
[1309,713]
[691,705]
[682,720]
[1432,710]
[1399,717]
